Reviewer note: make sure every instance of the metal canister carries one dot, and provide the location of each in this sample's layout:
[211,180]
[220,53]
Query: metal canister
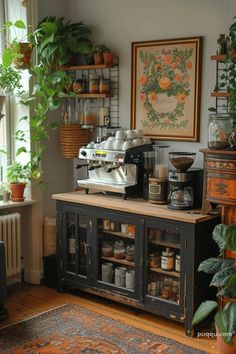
[157,190]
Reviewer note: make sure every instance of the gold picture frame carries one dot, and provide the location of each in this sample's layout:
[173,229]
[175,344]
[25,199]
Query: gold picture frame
[165,85]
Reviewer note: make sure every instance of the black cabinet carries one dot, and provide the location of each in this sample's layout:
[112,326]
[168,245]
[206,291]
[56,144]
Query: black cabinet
[146,262]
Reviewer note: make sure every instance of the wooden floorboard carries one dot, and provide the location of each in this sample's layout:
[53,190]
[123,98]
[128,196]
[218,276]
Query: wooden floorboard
[32,300]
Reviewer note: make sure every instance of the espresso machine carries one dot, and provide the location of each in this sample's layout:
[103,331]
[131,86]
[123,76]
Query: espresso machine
[185,184]
[114,171]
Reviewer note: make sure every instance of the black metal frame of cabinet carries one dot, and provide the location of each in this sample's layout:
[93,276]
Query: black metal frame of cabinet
[196,245]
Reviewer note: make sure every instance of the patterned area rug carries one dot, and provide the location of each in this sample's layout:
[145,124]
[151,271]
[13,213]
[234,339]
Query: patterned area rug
[73,329]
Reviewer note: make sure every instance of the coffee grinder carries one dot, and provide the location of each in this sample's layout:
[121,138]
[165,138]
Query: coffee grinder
[184,183]
[158,186]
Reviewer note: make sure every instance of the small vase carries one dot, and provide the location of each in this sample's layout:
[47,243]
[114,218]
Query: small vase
[108,58]
[98,58]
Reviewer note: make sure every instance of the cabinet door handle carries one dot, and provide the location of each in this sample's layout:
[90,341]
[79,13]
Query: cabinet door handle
[91,225]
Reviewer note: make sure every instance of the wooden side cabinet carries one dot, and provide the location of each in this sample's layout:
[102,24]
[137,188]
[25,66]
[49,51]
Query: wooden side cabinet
[118,255]
[220,183]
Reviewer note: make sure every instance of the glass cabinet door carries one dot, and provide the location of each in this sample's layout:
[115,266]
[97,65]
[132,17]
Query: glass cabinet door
[117,253]
[76,226]
[164,281]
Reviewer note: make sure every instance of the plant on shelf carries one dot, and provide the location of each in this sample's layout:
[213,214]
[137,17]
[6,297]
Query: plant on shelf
[58,41]
[230,74]
[224,278]
[98,50]
[18,48]
[108,56]
[232,38]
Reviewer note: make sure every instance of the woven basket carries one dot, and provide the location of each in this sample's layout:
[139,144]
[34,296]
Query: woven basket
[72,137]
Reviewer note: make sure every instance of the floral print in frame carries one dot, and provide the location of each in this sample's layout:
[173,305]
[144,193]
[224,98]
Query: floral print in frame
[166,88]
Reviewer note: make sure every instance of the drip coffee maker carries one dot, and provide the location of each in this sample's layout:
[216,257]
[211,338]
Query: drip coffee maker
[185,183]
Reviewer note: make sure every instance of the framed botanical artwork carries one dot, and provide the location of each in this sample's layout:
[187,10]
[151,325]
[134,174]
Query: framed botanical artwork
[166,81]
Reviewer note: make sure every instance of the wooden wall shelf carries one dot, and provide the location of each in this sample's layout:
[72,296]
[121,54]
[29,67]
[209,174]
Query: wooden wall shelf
[220,94]
[85,67]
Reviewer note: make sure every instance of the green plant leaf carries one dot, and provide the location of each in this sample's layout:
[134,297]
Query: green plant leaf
[230,236]
[218,236]
[226,322]
[232,284]
[20,24]
[213,265]
[203,311]
[20,150]
[222,277]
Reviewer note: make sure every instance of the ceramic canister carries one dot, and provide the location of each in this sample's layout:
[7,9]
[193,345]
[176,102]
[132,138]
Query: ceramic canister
[107,272]
[120,276]
[129,279]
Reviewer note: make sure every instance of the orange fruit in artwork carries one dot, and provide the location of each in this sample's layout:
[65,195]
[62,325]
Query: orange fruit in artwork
[164,83]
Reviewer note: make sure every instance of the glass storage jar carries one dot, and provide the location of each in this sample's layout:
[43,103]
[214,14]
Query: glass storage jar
[219,131]
[167,259]
[119,250]
[94,81]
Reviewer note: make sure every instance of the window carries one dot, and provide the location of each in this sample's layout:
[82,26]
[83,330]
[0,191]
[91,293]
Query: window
[13,111]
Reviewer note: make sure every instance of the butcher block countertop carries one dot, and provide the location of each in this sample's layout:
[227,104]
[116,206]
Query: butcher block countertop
[135,206]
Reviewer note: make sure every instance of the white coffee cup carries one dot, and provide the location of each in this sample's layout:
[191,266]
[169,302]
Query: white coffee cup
[147,141]
[137,142]
[118,145]
[138,133]
[130,134]
[90,145]
[109,145]
[120,135]
[127,145]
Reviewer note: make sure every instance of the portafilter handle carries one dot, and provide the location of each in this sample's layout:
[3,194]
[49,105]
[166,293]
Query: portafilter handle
[80,166]
[92,168]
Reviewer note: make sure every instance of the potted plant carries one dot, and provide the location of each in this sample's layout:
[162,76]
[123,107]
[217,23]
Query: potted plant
[108,56]
[224,278]
[58,41]
[19,49]
[9,83]
[98,50]
[18,175]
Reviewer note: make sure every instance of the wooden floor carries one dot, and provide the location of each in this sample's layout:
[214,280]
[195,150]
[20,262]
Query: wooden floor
[33,300]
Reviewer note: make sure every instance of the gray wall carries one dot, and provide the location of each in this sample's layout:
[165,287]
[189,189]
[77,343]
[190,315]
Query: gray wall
[117,24]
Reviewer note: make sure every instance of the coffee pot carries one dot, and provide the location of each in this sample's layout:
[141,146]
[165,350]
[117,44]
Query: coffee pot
[180,195]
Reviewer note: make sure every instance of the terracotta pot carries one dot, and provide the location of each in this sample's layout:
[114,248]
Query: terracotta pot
[17,191]
[24,62]
[108,58]
[223,348]
[98,58]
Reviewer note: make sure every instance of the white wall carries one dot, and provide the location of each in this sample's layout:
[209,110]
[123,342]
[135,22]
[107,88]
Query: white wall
[118,23]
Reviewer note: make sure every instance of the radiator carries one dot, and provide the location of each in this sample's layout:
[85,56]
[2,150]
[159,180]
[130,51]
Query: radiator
[10,235]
